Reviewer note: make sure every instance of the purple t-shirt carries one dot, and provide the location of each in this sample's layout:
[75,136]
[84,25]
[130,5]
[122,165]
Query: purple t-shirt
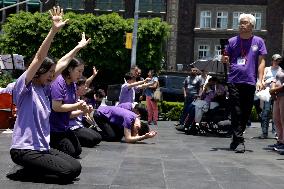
[31,129]
[60,91]
[126,94]
[117,116]
[250,50]
[75,123]
[126,105]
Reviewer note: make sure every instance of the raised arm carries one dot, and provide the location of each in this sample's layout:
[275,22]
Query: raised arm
[57,23]
[90,79]
[64,61]
[138,83]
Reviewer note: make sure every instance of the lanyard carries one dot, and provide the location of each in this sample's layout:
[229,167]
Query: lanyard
[243,50]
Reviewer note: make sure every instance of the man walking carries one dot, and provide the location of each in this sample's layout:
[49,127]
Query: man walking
[244,56]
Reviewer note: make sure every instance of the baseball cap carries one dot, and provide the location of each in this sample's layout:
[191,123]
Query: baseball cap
[276,57]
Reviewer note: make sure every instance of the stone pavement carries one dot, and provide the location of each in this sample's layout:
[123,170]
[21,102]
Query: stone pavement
[171,160]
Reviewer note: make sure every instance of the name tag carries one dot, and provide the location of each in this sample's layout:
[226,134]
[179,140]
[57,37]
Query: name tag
[241,61]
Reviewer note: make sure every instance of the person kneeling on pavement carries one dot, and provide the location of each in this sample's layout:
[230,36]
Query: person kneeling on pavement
[116,122]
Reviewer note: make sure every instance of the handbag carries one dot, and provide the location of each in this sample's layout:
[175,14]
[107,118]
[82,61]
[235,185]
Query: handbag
[157,96]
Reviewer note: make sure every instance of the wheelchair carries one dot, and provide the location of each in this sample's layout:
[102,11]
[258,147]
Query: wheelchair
[216,121]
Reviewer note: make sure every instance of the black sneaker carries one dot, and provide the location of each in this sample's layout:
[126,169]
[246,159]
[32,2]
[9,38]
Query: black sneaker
[272,146]
[240,148]
[233,145]
[281,152]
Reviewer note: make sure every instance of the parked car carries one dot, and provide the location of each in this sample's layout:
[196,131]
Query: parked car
[171,87]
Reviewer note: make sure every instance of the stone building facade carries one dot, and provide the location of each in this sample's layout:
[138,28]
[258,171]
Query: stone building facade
[199,40]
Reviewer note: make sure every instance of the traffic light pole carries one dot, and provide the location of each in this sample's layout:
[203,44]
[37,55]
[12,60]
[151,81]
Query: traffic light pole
[134,35]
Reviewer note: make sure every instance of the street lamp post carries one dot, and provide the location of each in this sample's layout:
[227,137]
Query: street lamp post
[134,35]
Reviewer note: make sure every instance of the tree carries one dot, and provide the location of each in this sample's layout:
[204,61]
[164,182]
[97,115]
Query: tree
[24,32]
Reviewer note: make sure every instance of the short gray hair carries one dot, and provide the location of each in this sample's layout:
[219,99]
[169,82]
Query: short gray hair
[251,18]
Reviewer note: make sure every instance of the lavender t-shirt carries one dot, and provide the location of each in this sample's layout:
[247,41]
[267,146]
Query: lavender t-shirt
[127,94]
[60,91]
[31,129]
[251,49]
[118,116]
[126,105]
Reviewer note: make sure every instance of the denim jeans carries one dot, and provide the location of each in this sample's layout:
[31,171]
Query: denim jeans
[265,117]
[186,109]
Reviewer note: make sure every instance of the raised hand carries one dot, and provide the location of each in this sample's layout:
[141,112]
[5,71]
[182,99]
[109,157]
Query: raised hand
[95,71]
[57,18]
[83,41]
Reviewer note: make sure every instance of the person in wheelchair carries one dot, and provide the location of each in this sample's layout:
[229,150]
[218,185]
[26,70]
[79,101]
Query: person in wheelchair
[212,98]
[216,117]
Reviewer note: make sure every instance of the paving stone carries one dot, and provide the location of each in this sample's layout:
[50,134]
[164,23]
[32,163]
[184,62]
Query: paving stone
[171,160]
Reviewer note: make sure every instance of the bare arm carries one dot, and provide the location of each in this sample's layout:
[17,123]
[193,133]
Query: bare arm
[261,67]
[57,24]
[154,85]
[264,75]
[145,85]
[138,83]
[184,91]
[90,79]
[132,139]
[64,61]
[87,109]
[76,113]
[57,106]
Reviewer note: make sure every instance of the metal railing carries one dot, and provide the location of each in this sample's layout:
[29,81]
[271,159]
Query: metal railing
[4,8]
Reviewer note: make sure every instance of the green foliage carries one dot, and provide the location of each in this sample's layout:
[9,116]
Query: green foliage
[254,117]
[171,110]
[5,79]
[24,32]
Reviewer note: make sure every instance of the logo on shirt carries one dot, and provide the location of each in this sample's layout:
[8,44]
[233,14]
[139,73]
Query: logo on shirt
[254,48]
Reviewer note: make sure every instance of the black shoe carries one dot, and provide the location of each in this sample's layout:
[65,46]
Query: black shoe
[17,173]
[233,145]
[190,130]
[240,148]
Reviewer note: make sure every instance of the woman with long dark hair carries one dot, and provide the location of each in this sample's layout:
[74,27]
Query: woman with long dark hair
[30,142]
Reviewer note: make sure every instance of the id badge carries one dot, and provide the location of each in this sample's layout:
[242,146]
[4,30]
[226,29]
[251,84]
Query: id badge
[241,61]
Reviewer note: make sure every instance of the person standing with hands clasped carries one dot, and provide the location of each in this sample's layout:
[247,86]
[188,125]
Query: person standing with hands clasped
[30,142]
[244,56]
